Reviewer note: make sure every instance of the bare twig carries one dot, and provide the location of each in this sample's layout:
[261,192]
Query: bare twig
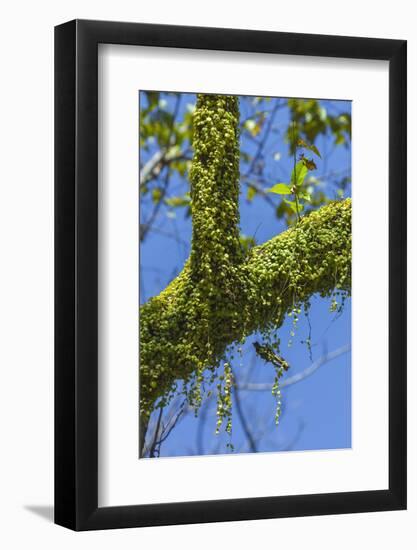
[155,437]
[249,182]
[147,226]
[243,421]
[300,376]
[171,425]
[261,144]
[158,162]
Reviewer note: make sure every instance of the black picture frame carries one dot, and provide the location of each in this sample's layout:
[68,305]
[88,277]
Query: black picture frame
[76,272]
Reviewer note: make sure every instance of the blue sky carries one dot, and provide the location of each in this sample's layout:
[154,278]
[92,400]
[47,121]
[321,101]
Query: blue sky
[316,410]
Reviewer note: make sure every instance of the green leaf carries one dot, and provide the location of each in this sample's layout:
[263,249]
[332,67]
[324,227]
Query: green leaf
[309,163]
[314,149]
[302,143]
[322,113]
[251,193]
[247,242]
[175,202]
[298,174]
[250,125]
[253,127]
[280,189]
[305,145]
[156,195]
[340,139]
[304,195]
[173,152]
[293,206]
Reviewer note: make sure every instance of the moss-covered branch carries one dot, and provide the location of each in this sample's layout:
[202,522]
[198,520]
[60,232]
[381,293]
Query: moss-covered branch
[184,330]
[222,296]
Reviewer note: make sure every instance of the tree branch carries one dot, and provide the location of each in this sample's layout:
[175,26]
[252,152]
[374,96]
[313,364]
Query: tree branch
[175,342]
[243,421]
[291,380]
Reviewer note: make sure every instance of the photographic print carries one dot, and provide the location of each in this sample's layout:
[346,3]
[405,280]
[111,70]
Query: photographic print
[203,275]
[245,274]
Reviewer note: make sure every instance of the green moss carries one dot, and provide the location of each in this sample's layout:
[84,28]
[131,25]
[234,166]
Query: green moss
[223,294]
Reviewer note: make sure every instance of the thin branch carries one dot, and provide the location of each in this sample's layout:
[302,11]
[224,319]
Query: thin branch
[157,163]
[174,421]
[157,316]
[169,235]
[148,224]
[155,437]
[249,386]
[243,421]
[249,182]
[144,228]
[200,429]
[261,144]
